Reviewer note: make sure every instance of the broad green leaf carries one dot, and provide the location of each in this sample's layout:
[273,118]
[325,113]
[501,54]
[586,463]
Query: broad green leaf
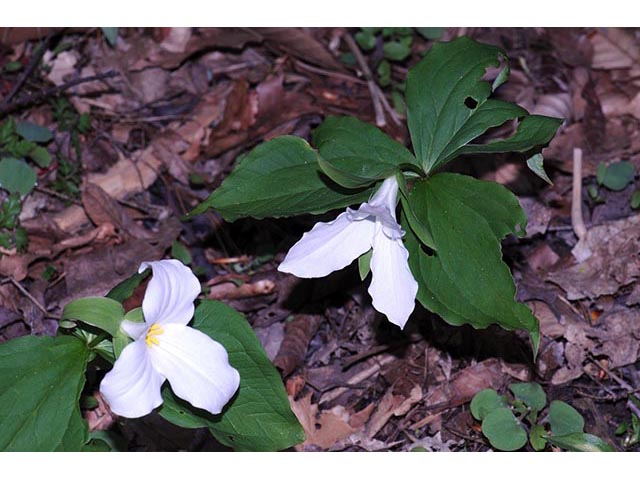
[533,131]
[16,176]
[617,175]
[33,133]
[124,289]
[359,153]
[101,312]
[530,393]
[485,402]
[40,383]
[564,419]
[503,430]
[279,178]
[466,281]
[409,217]
[536,165]
[258,418]
[447,102]
[580,442]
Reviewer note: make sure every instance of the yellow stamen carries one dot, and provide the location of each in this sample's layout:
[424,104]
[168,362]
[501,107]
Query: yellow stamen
[154,331]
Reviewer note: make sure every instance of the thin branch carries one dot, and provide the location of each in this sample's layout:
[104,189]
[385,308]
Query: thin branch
[28,295]
[35,61]
[373,90]
[51,92]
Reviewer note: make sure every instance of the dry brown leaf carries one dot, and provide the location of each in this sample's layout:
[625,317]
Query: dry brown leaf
[558,105]
[614,263]
[465,384]
[392,405]
[298,334]
[614,48]
[330,426]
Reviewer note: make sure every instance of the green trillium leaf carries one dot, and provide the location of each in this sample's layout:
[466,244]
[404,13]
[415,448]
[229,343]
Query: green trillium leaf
[279,178]
[466,280]
[40,383]
[359,151]
[101,312]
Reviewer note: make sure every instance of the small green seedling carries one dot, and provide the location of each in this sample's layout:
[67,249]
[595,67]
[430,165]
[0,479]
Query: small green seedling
[616,176]
[509,421]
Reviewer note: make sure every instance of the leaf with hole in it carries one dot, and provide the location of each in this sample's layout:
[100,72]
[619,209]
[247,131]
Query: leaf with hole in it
[279,178]
[33,133]
[16,176]
[466,281]
[40,383]
[355,154]
[101,312]
[530,393]
[485,402]
[448,104]
[503,430]
[259,417]
[564,419]
[616,176]
[580,442]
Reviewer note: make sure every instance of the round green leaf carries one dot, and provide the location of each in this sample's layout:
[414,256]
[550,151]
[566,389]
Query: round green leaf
[530,393]
[366,40]
[33,133]
[503,430]
[485,402]
[396,51]
[16,176]
[564,419]
[617,175]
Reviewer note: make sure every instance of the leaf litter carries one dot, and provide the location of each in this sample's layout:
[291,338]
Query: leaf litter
[177,109]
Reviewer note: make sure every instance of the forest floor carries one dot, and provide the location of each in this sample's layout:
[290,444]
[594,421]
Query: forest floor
[144,128]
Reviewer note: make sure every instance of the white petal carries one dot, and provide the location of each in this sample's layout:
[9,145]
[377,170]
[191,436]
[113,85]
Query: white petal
[132,387]
[393,288]
[196,366]
[134,329]
[170,293]
[386,196]
[329,247]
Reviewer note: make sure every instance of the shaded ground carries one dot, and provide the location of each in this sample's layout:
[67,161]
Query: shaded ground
[172,110]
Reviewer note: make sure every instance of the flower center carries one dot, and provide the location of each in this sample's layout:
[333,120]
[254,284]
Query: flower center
[153,333]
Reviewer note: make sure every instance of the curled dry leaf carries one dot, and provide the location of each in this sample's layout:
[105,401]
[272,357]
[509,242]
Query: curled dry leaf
[298,334]
[614,48]
[231,291]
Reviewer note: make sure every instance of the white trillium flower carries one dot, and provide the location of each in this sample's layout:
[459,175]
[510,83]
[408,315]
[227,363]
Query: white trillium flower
[196,366]
[329,247]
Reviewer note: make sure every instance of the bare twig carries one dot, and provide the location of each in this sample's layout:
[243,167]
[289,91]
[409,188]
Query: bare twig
[28,295]
[375,94]
[51,92]
[576,196]
[35,60]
